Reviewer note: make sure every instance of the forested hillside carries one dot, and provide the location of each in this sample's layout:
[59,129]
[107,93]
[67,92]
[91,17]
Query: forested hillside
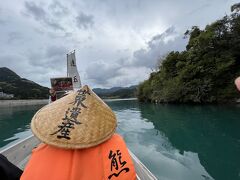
[205,71]
[22,88]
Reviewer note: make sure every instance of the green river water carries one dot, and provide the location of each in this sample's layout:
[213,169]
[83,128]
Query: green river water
[180,142]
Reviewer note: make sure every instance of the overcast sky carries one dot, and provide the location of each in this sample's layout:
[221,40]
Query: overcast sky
[117,42]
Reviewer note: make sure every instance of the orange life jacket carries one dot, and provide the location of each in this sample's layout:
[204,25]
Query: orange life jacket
[109,160]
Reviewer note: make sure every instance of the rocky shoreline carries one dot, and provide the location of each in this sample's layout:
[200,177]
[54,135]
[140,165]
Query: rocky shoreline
[10,103]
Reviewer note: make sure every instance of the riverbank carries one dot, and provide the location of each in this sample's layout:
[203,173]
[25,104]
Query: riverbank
[8,103]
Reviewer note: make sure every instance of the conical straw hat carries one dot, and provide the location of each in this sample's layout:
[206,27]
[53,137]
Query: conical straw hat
[79,120]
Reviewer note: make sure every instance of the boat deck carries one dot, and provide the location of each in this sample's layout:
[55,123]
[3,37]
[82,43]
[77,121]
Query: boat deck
[20,153]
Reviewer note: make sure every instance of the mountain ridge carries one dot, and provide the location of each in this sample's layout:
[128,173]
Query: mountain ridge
[22,88]
[116,92]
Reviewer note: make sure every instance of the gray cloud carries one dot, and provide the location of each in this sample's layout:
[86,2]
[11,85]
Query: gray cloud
[159,46]
[51,58]
[13,61]
[54,25]
[40,14]
[100,72]
[129,71]
[14,36]
[198,9]
[107,75]
[1,20]
[23,68]
[58,9]
[36,11]
[54,51]
[84,21]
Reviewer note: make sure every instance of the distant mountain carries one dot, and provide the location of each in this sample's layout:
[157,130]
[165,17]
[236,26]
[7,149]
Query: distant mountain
[104,91]
[22,88]
[116,92]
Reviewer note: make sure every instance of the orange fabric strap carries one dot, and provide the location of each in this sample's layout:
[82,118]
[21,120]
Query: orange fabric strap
[109,160]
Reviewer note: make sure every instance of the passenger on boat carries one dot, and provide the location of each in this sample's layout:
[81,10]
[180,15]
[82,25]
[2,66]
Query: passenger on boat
[79,139]
[53,95]
[8,171]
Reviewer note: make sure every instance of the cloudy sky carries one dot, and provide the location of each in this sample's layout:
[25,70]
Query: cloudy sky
[117,42]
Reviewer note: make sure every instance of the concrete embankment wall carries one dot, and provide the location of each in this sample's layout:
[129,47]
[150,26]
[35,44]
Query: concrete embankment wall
[6,103]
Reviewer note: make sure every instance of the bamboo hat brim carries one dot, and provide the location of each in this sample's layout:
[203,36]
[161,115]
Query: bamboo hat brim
[79,120]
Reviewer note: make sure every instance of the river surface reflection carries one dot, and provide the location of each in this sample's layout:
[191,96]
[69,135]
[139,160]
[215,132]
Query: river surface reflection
[14,123]
[182,141]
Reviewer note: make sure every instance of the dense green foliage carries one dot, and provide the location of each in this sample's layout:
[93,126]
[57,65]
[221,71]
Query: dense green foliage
[205,71]
[116,92]
[11,83]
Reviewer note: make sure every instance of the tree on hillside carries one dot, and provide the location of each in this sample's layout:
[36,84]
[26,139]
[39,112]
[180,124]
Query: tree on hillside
[205,71]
